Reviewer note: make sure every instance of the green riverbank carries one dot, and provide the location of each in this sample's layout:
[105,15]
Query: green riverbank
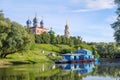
[38,53]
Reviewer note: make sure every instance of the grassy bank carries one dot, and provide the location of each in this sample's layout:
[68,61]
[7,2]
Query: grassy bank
[35,55]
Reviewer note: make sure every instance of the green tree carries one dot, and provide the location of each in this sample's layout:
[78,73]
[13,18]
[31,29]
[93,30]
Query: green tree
[71,42]
[95,53]
[116,24]
[1,15]
[63,38]
[13,37]
[58,39]
[52,39]
[45,38]
[38,39]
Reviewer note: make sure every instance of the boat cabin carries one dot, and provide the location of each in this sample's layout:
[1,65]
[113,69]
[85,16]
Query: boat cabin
[82,54]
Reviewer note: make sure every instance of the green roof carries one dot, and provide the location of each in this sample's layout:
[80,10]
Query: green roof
[51,32]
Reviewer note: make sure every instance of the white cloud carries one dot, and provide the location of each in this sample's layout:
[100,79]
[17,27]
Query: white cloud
[85,10]
[111,19]
[100,4]
[93,5]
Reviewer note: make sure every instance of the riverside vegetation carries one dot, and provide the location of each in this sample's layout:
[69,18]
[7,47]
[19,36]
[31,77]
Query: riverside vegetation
[18,44]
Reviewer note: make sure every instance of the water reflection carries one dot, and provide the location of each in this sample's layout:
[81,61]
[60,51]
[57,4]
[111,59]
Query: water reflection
[26,72]
[90,71]
[79,68]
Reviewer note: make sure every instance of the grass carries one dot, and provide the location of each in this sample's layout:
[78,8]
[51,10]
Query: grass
[35,55]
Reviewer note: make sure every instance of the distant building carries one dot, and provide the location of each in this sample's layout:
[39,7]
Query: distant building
[66,31]
[36,29]
[51,31]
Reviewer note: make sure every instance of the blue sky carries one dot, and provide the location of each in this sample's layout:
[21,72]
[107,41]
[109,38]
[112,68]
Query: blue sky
[89,19]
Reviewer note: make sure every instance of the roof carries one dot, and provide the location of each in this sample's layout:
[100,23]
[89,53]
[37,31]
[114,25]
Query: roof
[28,21]
[72,54]
[41,22]
[51,32]
[35,20]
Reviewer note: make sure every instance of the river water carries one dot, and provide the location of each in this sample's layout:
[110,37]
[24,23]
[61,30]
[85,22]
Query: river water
[46,71]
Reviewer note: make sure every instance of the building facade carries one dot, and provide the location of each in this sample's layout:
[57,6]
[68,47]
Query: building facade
[37,28]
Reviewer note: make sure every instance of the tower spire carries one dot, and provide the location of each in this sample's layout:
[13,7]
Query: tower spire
[66,31]
[35,14]
[66,21]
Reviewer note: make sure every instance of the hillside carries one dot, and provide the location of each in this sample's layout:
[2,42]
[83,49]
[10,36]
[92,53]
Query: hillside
[35,54]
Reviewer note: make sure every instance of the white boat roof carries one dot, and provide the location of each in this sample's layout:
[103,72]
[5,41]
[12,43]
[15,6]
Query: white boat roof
[72,54]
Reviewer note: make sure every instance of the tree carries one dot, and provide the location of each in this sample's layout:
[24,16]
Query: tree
[38,39]
[52,39]
[45,37]
[1,15]
[116,24]
[95,52]
[13,37]
[58,39]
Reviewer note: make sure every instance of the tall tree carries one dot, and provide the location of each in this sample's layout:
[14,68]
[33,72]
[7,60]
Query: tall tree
[116,24]
[45,37]
[52,39]
[13,37]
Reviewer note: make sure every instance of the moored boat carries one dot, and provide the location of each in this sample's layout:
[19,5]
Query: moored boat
[81,56]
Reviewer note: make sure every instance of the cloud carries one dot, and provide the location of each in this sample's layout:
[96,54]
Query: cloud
[94,5]
[100,4]
[111,19]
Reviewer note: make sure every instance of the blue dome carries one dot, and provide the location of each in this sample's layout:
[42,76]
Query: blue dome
[28,21]
[35,21]
[41,22]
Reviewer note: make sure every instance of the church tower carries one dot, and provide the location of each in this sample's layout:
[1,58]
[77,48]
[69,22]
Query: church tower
[66,31]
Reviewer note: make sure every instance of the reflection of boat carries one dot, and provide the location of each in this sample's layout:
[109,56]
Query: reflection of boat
[81,56]
[79,68]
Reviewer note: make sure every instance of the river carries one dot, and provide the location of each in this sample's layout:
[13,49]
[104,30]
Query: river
[46,71]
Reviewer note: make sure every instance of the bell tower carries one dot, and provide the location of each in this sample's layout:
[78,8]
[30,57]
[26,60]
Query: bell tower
[66,31]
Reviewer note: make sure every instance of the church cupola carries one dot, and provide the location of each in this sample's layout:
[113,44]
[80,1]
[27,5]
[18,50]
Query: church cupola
[51,31]
[35,21]
[28,22]
[41,24]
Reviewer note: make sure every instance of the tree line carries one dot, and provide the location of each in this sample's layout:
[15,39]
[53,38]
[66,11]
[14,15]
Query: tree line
[46,38]
[107,50]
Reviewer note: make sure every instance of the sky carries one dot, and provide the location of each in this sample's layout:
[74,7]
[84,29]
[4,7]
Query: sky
[89,19]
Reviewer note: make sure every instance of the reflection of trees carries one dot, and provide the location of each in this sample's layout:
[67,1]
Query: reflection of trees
[62,75]
[35,72]
[107,70]
[8,74]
